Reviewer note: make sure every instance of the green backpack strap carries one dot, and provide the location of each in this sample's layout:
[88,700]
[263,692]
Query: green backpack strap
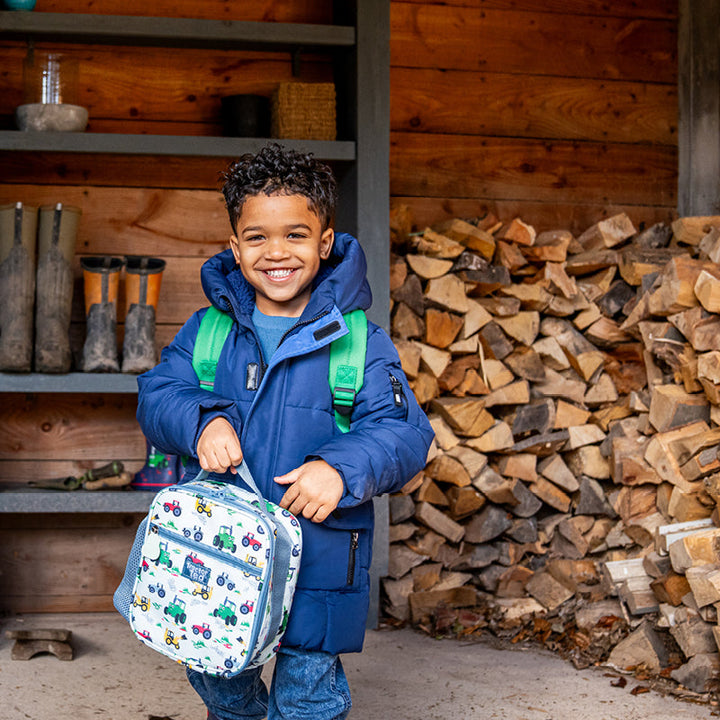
[214,329]
[347,367]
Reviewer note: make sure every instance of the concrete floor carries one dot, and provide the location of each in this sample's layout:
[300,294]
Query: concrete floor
[402,675]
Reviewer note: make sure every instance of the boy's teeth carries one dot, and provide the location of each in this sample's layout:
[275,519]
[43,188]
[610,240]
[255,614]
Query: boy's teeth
[278,273]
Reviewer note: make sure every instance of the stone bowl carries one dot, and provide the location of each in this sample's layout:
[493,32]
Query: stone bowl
[54,117]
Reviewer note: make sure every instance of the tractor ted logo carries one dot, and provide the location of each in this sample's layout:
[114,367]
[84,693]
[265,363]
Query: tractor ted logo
[195,570]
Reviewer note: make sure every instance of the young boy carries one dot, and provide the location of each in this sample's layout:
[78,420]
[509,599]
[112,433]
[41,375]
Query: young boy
[286,281]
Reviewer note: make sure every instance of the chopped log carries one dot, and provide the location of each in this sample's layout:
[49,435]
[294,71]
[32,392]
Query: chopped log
[676,290]
[424,387]
[437,245]
[428,267]
[591,261]
[464,501]
[471,236]
[707,291]
[637,594]
[538,417]
[474,462]
[491,522]
[672,407]
[439,522]
[475,318]
[550,246]
[523,327]
[398,273]
[670,588]
[466,416]
[700,673]
[685,507]
[704,581]
[601,391]
[628,465]
[588,460]
[554,469]
[509,256]
[434,359]
[548,591]
[518,465]
[496,488]
[431,493]
[519,232]
[550,494]
[496,373]
[523,530]
[423,603]
[512,583]
[562,386]
[401,508]
[637,262]
[592,500]
[448,292]
[708,370]
[409,357]
[660,456]
[425,577]
[709,246]
[517,393]
[441,328]
[446,468]
[494,342]
[618,571]
[498,437]
[541,445]
[427,542]
[694,637]
[401,531]
[398,592]
[607,233]
[531,297]
[581,435]
[699,327]
[656,565]
[527,364]
[699,548]
[702,464]
[465,347]
[402,559]
[455,373]
[551,353]
[411,294]
[569,540]
[568,415]
[691,230]
[415,482]
[483,282]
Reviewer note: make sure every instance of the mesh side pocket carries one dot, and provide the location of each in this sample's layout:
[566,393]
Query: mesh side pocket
[123,596]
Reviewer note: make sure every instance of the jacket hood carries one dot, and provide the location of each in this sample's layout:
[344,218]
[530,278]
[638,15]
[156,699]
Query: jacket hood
[341,281]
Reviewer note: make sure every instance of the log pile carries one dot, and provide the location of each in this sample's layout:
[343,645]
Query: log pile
[574,387]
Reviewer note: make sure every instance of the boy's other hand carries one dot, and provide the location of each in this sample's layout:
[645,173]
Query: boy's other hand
[219,447]
[315,490]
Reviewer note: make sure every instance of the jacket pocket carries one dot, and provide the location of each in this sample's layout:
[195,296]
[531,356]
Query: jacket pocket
[352,555]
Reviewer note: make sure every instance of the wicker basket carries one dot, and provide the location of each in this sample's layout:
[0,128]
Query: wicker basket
[304,111]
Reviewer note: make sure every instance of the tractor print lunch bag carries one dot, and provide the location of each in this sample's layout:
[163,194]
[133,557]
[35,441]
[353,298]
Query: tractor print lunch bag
[211,575]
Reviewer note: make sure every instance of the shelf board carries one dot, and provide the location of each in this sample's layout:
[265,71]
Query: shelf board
[173,32]
[177,145]
[75,501]
[68,383]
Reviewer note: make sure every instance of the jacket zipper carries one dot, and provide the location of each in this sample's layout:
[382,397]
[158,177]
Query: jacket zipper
[217,554]
[397,388]
[354,536]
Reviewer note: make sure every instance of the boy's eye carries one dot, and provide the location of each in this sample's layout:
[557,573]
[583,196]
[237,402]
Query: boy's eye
[296,235]
[254,238]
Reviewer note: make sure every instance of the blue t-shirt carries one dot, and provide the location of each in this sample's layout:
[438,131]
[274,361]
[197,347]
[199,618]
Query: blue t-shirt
[270,329]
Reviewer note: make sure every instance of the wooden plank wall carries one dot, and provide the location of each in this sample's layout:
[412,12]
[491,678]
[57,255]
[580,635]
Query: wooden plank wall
[558,112]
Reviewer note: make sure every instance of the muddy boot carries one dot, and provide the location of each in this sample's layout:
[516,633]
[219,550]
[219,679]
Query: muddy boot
[57,231]
[102,280]
[142,290]
[18,232]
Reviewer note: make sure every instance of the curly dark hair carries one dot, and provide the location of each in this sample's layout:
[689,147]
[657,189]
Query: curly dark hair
[275,170]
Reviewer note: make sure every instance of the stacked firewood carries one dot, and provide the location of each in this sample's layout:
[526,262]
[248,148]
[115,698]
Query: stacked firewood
[574,387]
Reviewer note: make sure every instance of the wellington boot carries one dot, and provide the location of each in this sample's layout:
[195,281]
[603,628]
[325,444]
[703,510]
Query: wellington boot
[159,471]
[57,232]
[102,279]
[142,291]
[18,232]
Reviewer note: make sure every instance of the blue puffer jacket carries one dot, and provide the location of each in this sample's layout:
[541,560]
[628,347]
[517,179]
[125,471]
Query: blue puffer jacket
[289,420]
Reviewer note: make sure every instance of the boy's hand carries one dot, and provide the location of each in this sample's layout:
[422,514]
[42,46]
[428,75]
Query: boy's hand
[219,447]
[315,490]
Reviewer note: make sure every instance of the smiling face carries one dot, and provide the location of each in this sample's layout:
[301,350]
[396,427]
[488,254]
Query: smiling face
[279,246]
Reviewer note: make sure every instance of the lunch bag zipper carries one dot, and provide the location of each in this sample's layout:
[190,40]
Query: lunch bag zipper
[354,536]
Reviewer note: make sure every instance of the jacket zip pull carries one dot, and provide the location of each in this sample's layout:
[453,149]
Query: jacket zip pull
[354,535]
[398,393]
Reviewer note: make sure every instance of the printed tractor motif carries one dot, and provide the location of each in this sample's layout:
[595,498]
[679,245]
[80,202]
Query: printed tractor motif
[159,589]
[249,539]
[196,533]
[224,539]
[222,579]
[203,630]
[172,506]
[246,608]
[203,505]
[226,612]
[141,602]
[176,610]
[164,557]
[170,639]
[203,591]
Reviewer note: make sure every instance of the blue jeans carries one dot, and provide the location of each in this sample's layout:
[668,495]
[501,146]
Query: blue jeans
[306,685]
